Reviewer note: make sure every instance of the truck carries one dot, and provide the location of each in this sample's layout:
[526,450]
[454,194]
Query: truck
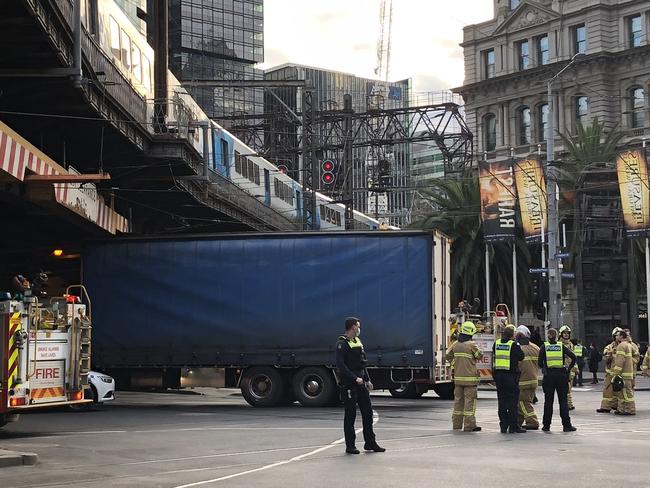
[266,309]
[45,353]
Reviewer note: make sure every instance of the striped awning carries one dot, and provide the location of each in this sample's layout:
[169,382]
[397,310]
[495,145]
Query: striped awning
[18,157]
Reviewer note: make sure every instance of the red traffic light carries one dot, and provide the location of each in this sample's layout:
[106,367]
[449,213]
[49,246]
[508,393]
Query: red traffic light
[328,178]
[328,166]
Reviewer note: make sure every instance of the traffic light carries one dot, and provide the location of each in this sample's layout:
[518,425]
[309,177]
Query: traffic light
[329,171]
[383,170]
[539,295]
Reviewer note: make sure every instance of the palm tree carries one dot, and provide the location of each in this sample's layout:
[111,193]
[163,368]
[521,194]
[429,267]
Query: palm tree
[459,216]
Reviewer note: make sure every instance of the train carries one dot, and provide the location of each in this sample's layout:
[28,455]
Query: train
[229,157]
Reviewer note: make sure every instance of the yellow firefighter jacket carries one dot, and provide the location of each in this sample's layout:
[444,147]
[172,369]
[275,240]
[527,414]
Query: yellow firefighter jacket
[623,361]
[463,355]
[529,367]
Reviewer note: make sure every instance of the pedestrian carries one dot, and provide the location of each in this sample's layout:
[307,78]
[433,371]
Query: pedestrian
[507,354]
[594,360]
[609,401]
[636,355]
[355,386]
[645,367]
[580,351]
[552,360]
[624,368]
[565,336]
[463,354]
[535,337]
[528,379]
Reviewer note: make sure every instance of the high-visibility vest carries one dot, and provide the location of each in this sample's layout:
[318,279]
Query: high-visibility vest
[578,351]
[554,355]
[356,342]
[502,354]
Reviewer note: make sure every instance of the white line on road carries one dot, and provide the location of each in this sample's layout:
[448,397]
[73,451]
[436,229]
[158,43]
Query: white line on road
[279,463]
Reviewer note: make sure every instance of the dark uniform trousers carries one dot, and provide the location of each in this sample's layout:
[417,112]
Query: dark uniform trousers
[353,396]
[508,395]
[556,382]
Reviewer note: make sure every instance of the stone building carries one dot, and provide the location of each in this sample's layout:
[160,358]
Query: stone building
[508,63]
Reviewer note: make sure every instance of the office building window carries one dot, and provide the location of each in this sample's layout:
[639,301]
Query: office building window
[523,55]
[635,28]
[637,104]
[524,126]
[490,64]
[543,56]
[490,129]
[514,4]
[582,110]
[579,39]
[542,115]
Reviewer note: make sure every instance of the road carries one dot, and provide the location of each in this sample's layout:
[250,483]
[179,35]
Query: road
[215,439]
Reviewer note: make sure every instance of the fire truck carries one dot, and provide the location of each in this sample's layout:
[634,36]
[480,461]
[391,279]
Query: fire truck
[489,326]
[45,350]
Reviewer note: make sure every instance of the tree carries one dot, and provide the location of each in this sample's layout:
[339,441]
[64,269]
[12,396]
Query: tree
[458,201]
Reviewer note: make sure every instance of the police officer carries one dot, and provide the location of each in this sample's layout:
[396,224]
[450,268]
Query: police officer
[552,358]
[355,387]
[507,354]
[463,354]
[581,352]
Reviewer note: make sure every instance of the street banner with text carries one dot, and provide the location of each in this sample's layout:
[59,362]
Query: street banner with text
[531,194]
[632,171]
[498,200]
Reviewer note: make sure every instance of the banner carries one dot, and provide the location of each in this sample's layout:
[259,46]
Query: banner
[498,200]
[632,171]
[531,194]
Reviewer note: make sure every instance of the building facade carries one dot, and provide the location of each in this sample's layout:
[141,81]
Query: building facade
[219,40]
[367,94]
[509,61]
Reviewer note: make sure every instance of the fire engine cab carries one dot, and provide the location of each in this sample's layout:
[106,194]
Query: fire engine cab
[45,349]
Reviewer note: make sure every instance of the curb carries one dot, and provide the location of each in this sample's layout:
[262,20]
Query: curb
[13,458]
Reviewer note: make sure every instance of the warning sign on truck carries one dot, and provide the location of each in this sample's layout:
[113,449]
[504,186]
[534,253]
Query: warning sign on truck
[47,383]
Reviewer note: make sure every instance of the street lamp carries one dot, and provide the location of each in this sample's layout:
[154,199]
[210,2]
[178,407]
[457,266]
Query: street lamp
[554,270]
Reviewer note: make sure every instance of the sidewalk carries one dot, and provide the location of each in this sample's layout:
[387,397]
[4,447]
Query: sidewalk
[13,458]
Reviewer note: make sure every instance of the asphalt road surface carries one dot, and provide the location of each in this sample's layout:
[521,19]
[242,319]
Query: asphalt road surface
[215,439]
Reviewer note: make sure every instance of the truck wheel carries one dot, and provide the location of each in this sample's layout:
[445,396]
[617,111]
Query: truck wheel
[315,387]
[409,390]
[3,420]
[444,390]
[262,386]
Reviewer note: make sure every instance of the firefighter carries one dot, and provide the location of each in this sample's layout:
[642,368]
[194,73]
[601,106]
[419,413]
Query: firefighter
[552,360]
[507,354]
[624,367]
[565,336]
[528,379]
[609,401]
[463,354]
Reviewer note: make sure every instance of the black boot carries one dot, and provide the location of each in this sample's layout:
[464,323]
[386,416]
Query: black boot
[352,450]
[373,446]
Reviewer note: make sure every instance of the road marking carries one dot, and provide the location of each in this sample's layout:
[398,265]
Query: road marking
[279,463]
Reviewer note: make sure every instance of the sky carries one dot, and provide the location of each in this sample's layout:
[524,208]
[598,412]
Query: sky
[342,35]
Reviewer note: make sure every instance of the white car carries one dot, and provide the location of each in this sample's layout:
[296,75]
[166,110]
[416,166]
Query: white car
[102,387]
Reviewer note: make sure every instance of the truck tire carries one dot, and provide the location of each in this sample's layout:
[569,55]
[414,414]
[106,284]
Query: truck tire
[444,390]
[315,387]
[3,420]
[409,390]
[263,386]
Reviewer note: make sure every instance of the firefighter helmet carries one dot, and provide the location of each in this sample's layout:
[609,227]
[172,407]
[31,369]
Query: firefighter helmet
[565,328]
[468,328]
[615,331]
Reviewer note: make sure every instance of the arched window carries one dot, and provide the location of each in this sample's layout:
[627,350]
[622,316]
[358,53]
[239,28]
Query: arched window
[637,105]
[525,136]
[582,110]
[490,131]
[542,122]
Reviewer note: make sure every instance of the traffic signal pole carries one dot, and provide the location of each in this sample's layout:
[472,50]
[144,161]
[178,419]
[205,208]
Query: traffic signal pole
[347,162]
[554,264]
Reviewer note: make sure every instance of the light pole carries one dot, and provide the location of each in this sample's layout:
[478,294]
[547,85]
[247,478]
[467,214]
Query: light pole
[554,269]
